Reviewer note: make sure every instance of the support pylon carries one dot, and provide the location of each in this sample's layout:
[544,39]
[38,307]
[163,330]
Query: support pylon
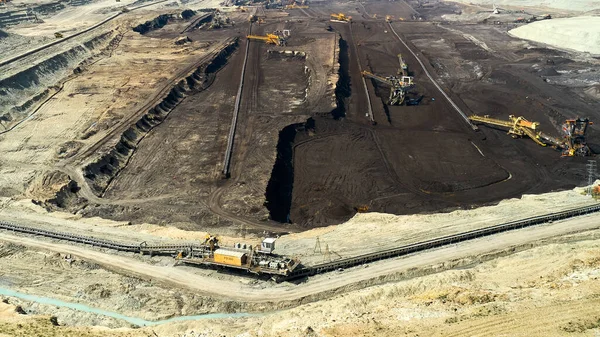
[318,246]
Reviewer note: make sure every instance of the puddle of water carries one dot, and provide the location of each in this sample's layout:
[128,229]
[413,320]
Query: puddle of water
[132,320]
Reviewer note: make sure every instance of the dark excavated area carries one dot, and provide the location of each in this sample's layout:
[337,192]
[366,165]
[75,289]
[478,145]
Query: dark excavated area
[279,189]
[307,153]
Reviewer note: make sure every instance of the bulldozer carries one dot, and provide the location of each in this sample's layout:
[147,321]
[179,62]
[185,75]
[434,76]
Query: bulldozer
[340,17]
[58,35]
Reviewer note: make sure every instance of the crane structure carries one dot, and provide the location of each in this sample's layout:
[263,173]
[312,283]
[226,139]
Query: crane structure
[573,143]
[403,70]
[575,131]
[269,39]
[398,86]
[340,17]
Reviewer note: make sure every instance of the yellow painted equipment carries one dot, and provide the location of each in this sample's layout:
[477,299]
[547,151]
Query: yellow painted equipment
[230,257]
[399,86]
[341,17]
[520,127]
[517,126]
[362,208]
[388,18]
[58,35]
[269,39]
[403,71]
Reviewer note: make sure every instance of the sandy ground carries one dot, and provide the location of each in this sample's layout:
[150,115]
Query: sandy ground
[572,6]
[544,291]
[83,109]
[73,18]
[264,293]
[579,33]
[382,231]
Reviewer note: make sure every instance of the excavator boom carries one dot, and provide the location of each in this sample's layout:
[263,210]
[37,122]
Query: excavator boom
[341,17]
[377,78]
[519,126]
[492,121]
[270,39]
[403,71]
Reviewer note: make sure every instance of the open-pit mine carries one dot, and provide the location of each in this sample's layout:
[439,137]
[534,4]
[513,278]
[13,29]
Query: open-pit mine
[299,168]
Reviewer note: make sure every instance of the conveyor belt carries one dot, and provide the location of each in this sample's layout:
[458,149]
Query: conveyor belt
[320,268]
[439,242]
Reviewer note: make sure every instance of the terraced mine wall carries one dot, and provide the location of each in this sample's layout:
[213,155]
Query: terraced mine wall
[156,23]
[100,173]
[20,91]
[342,87]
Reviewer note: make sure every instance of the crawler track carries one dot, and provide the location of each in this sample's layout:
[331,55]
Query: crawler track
[143,248]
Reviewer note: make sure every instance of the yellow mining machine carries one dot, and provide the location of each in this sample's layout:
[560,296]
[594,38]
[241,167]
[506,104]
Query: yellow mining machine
[361,209]
[257,260]
[269,39]
[341,17]
[403,70]
[389,18]
[399,86]
[573,143]
[58,35]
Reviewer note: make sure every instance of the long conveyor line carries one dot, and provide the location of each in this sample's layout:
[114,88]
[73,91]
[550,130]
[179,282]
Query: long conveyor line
[124,247]
[439,242]
[324,267]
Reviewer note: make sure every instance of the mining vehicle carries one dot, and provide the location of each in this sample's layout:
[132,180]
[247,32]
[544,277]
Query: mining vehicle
[341,17]
[58,35]
[403,70]
[256,260]
[574,130]
[399,86]
[575,141]
[269,39]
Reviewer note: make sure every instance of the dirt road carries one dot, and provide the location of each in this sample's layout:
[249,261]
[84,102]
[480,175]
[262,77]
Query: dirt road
[317,285]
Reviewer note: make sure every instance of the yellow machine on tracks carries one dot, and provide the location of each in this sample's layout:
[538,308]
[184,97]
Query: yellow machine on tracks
[340,17]
[398,86]
[269,39]
[573,143]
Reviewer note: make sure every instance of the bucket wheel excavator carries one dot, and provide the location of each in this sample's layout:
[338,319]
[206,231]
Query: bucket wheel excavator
[399,86]
[341,17]
[572,144]
[403,70]
[277,40]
